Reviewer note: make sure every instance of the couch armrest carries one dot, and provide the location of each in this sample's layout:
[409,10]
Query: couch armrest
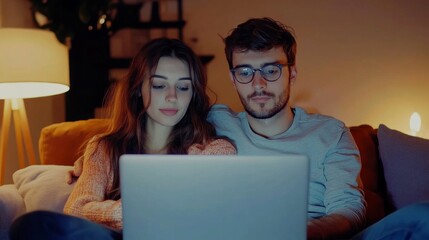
[11,206]
[372,172]
[61,143]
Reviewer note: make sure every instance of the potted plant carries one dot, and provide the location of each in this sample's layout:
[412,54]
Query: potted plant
[68,17]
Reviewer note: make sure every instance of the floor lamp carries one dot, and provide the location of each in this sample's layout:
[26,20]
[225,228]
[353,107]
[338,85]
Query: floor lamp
[32,64]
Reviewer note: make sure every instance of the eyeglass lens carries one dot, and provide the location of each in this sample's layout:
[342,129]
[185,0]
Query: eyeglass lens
[269,72]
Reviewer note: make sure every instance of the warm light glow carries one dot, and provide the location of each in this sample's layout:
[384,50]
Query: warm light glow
[415,123]
[40,18]
[33,63]
[14,104]
[102,19]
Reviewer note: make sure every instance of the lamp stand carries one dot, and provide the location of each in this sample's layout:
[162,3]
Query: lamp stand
[16,107]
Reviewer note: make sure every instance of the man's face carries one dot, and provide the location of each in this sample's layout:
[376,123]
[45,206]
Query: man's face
[263,99]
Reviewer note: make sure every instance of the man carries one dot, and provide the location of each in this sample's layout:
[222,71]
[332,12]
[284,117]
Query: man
[261,56]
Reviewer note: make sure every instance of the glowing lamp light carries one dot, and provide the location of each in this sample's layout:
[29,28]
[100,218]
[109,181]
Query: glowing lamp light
[32,64]
[415,123]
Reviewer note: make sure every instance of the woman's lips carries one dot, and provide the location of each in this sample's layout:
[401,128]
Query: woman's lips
[169,111]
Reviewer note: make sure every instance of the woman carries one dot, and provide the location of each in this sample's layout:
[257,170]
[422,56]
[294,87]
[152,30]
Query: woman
[159,108]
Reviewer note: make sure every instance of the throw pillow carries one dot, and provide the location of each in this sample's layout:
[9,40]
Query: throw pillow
[43,187]
[406,166]
[11,206]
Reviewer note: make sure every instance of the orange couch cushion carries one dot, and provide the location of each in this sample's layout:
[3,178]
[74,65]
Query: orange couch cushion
[60,143]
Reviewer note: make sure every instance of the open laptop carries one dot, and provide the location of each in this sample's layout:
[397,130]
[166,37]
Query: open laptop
[219,197]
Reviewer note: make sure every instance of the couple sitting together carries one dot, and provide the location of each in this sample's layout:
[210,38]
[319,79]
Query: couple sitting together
[161,107]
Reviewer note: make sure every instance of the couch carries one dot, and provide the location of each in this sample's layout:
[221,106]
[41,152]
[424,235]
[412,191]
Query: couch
[383,154]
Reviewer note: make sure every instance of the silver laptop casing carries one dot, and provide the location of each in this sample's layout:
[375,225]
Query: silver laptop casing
[217,197]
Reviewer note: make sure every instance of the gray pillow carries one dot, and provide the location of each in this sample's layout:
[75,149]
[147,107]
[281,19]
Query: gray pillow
[43,187]
[406,166]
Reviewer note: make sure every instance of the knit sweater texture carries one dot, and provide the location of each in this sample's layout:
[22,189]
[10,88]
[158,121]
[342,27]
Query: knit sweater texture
[88,198]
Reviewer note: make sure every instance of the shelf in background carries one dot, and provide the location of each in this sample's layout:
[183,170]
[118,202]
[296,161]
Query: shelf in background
[125,62]
[149,25]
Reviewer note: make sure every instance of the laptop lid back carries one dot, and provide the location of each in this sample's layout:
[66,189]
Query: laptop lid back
[214,197]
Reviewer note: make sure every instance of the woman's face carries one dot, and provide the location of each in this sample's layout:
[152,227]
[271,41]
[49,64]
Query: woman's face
[168,95]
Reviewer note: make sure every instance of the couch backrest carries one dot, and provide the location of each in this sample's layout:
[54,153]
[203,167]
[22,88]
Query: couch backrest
[61,143]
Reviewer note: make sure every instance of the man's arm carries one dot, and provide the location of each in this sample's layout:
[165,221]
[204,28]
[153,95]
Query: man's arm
[74,174]
[343,196]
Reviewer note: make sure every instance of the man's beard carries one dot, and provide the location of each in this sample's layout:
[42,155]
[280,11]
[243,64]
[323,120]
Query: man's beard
[268,113]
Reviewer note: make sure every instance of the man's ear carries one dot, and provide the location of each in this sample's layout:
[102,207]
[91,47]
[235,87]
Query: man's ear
[292,74]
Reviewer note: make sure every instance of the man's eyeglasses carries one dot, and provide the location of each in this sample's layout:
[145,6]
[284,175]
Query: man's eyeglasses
[270,72]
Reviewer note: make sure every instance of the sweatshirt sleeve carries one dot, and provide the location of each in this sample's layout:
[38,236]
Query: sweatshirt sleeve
[87,199]
[344,194]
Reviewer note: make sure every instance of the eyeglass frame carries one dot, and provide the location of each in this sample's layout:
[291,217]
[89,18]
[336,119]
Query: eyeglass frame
[254,70]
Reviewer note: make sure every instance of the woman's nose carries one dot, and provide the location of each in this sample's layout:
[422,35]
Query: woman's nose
[171,95]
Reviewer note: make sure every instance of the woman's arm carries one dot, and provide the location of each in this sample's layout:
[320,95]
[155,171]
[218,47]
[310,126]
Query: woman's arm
[88,196]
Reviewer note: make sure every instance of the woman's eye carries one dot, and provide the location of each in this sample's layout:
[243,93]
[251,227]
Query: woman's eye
[155,86]
[183,88]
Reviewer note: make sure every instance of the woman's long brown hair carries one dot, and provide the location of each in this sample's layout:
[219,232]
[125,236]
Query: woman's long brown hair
[127,133]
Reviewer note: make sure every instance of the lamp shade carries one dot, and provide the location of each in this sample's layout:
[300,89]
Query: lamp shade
[33,63]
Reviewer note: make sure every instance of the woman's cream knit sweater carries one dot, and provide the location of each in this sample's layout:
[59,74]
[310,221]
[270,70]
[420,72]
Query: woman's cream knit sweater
[88,198]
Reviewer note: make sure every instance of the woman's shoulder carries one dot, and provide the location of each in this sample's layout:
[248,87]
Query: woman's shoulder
[214,147]
[95,151]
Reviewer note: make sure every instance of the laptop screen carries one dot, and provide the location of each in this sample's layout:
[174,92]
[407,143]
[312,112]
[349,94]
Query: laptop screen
[214,196]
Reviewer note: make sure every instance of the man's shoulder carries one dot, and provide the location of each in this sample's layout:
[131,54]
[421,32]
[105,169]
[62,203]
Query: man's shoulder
[318,119]
[222,110]
[226,120]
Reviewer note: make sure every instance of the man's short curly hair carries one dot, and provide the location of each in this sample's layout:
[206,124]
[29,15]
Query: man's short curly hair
[260,34]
